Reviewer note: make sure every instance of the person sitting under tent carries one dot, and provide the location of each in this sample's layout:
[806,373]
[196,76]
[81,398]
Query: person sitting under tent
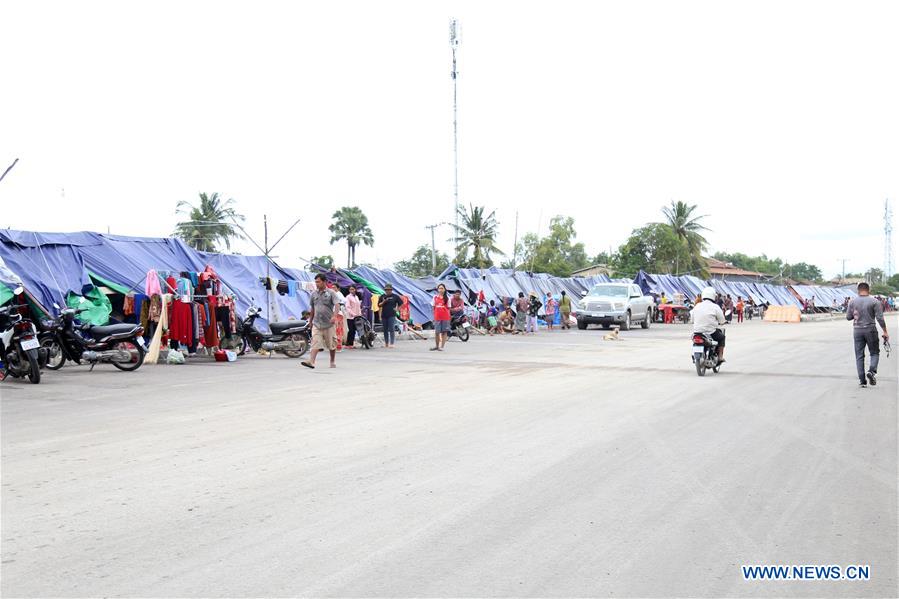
[507,321]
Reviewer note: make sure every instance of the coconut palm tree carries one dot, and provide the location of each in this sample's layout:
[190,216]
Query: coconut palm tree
[351,225]
[688,229]
[210,221]
[476,233]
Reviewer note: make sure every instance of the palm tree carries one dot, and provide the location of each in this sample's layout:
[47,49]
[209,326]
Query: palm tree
[351,224]
[687,228]
[478,233]
[208,222]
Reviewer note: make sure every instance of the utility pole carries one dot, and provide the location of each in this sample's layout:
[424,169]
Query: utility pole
[454,45]
[843,276]
[515,244]
[434,246]
[887,239]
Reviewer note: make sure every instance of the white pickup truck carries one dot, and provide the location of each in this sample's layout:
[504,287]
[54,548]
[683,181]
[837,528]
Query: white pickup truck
[615,303]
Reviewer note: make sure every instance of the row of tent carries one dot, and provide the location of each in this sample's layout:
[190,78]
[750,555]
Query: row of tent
[53,266]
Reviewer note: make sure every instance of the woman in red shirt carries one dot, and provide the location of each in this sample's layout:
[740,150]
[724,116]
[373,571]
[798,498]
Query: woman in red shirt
[440,302]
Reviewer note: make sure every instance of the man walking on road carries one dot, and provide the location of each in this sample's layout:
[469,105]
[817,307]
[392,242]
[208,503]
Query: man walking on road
[325,306]
[866,313]
[565,309]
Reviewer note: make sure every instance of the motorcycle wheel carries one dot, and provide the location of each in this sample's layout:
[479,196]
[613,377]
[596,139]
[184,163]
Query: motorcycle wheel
[34,371]
[300,340]
[716,369]
[700,366]
[244,346]
[137,355]
[55,356]
[462,334]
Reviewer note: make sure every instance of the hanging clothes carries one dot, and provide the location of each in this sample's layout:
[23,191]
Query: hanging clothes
[145,315]
[185,290]
[171,283]
[212,329]
[152,286]
[192,277]
[291,288]
[181,326]
[128,305]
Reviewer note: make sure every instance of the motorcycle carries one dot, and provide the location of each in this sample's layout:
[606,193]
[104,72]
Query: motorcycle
[19,345]
[365,333]
[705,353]
[116,344]
[459,326]
[291,337]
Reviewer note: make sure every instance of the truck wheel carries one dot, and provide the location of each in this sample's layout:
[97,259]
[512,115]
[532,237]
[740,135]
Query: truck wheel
[647,320]
[582,325]
[626,324]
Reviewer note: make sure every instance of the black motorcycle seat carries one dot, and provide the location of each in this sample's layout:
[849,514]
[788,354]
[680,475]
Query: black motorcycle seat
[111,329]
[284,325]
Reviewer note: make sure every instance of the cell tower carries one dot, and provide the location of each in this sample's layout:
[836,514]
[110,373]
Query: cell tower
[454,45]
[887,239]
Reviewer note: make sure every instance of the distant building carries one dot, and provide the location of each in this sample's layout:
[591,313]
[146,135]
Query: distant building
[596,269]
[719,269]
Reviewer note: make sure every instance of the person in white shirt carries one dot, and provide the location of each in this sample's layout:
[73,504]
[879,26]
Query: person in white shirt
[353,311]
[707,316]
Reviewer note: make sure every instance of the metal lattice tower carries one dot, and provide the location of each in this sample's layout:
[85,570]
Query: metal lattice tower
[454,44]
[887,239]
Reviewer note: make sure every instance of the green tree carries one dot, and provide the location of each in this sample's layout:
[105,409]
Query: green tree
[874,275]
[325,261]
[351,225]
[760,264]
[603,258]
[210,221]
[893,281]
[419,265]
[557,253]
[807,272]
[881,289]
[477,233]
[686,226]
[654,248]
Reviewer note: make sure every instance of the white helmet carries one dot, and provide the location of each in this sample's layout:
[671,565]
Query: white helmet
[709,293]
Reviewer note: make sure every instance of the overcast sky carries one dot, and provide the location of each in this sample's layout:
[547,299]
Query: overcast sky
[780,120]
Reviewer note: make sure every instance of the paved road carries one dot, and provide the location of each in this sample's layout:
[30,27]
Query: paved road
[559,465]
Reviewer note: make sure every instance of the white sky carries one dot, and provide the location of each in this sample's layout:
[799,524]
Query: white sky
[779,119]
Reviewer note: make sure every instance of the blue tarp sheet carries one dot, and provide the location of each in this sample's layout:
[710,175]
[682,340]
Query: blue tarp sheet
[48,272]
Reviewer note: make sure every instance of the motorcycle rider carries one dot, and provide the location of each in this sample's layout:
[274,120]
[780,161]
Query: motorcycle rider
[707,316]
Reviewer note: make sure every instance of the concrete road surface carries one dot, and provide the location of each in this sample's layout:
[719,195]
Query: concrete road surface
[558,465]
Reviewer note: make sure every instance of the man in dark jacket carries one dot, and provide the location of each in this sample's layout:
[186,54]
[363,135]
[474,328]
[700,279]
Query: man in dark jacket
[866,313]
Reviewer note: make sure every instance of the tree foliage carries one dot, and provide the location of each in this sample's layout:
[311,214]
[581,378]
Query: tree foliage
[773,267]
[419,265]
[477,234]
[557,254]
[655,248]
[685,224]
[351,225]
[325,261]
[209,222]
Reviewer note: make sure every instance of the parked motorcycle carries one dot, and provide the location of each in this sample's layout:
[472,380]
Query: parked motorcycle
[19,345]
[291,337]
[116,344]
[459,326]
[705,353]
[365,333]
